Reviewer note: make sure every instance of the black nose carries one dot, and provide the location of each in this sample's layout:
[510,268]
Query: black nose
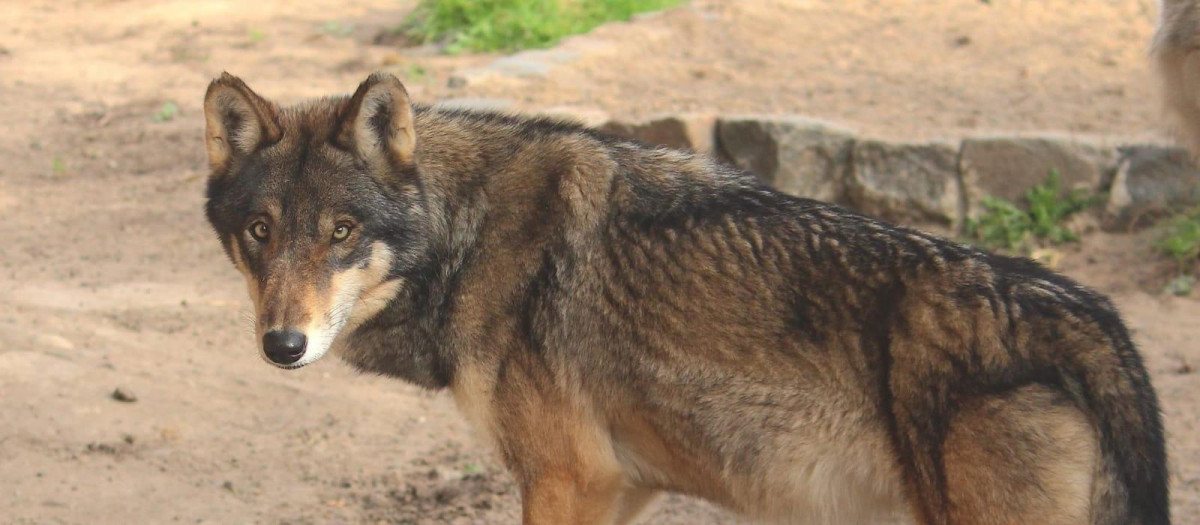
[284,346]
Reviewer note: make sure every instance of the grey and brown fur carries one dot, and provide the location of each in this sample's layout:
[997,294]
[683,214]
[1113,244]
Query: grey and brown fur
[619,320]
[1177,62]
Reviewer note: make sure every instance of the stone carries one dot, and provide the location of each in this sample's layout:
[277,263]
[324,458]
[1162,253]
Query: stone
[588,116]
[21,366]
[692,132]
[1007,166]
[800,156]
[55,341]
[473,77]
[535,63]
[124,395]
[516,66]
[475,104]
[906,182]
[1150,181]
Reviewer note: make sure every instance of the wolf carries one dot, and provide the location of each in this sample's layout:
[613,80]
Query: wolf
[1177,64]
[618,320]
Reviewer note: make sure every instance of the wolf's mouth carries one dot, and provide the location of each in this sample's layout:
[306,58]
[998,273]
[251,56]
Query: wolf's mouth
[286,366]
[307,359]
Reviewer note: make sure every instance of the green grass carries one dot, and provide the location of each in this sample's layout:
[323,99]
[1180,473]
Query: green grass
[1005,225]
[509,25]
[1180,239]
[168,111]
[336,29]
[1181,285]
[58,166]
[415,73]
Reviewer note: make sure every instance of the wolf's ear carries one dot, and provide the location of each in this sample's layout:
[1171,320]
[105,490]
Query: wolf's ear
[377,123]
[238,121]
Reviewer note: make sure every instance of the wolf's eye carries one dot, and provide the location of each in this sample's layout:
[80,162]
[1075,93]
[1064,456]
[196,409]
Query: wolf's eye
[341,231]
[259,231]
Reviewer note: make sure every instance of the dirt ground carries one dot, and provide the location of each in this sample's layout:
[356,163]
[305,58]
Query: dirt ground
[109,277]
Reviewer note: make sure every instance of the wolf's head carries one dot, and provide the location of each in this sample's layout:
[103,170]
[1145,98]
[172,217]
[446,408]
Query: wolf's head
[318,206]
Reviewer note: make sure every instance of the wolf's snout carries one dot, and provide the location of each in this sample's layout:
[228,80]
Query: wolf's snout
[284,347]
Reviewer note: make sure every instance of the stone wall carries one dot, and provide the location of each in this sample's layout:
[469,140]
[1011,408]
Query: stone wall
[939,182]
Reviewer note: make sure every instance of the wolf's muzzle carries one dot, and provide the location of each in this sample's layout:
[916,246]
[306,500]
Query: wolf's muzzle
[284,347]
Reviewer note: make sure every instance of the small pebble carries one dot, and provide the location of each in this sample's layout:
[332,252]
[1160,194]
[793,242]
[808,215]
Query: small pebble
[446,494]
[123,395]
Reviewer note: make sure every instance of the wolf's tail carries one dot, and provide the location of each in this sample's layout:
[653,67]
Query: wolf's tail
[1113,384]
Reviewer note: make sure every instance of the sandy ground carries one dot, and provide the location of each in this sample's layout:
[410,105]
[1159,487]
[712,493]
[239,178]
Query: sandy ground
[110,279]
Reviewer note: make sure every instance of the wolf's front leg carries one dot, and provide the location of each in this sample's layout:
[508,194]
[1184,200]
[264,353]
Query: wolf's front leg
[564,498]
[566,468]
[559,449]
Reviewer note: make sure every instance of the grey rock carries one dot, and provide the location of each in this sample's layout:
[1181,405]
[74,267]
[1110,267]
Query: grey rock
[1150,181]
[588,116]
[469,77]
[475,104]
[1007,166]
[526,64]
[693,132]
[519,67]
[801,156]
[536,63]
[907,182]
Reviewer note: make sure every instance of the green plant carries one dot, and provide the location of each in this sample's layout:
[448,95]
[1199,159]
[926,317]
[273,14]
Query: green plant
[1005,225]
[58,166]
[1001,225]
[337,29]
[167,112]
[1180,238]
[1050,206]
[1180,285]
[414,73]
[493,25]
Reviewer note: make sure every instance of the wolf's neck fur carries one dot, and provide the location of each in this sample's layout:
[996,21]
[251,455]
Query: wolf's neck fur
[498,190]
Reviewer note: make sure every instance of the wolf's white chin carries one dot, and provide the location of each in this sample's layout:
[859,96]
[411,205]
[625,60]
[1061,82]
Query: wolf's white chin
[320,340]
